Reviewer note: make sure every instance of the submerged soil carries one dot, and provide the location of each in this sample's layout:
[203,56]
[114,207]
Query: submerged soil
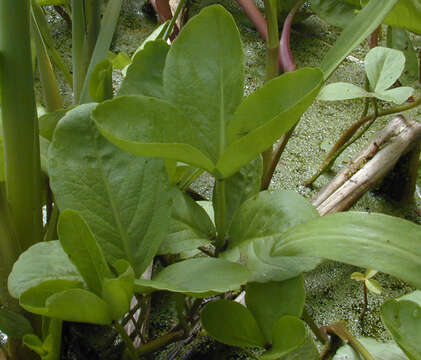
[331,294]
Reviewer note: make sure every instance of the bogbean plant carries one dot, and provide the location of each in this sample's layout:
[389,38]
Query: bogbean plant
[117,169]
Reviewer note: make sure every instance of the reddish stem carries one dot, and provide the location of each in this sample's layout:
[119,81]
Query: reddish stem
[163,9]
[255,16]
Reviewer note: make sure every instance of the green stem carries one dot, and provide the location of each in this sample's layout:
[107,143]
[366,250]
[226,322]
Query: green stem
[52,97]
[126,338]
[78,43]
[170,27]
[310,322]
[220,207]
[160,342]
[20,124]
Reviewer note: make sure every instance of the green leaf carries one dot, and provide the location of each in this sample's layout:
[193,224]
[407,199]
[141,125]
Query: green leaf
[34,266]
[123,198]
[357,276]
[383,351]
[120,60]
[48,122]
[414,296]
[14,325]
[79,243]
[383,67]
[118,292]
[289,333]
[204,77]
[369,273]
[367,20]
[406,14]
[155,35]
[265,115]
[307,351]
[190,226]
[244,184]
[403,319]
[397,95]
[374,286]
[199,277]
[341,237]
[262,220]
[268,302]
[150,127]
[145,74]
[101,83]
[342,91]
[231,323]
[34,343]
[335,12]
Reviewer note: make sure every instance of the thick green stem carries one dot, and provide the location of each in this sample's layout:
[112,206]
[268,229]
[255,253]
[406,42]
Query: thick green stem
[220,208]
[20,124]
[160,342]
[78,43]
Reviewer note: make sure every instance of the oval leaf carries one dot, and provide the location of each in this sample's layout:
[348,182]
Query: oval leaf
[341,91]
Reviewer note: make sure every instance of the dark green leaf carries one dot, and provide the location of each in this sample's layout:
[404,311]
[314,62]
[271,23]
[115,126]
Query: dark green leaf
[35,266]
[307,351]
[289,333]
[190,226]
[232,324]
[268,302]
[341,237]
[406,14]
[335,12]
[144,75]
[199,277]
[79,243]
[367,20]
[14,325]
[123,198]
[101,83]
[403,319]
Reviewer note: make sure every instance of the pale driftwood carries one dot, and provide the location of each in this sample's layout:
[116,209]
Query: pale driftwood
[398,138]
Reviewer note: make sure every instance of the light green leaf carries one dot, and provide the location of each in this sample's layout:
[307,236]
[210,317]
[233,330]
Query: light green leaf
[397,95]
[268,302]
[383,67]
[148,126]
[258,223]
[79,243]
[35,265]
[380,351]
[406,14]
[289,333]
[342,91]
[367,20]
[231,323]
[48,122]
[199,277]
[123,198]
[403,319]
[120,60]
[34,343]
[190,226]
[101,82]
[265,115]
[335,12]
[144,75]
[204,77]
[414,296]
[341,237]
[369,273]
[14,325]
[357,276]
[374,286]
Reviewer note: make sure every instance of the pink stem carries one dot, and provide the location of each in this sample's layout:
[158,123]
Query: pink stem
[255,16]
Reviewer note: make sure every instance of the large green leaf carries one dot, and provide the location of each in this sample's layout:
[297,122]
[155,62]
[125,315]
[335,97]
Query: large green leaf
[403,319]
[265,115]
[199,277]
[123,198]
[368,19]
[190,226]
[41,262]
[232,324]
[406,14]
[335,12]
[204,76]
[289,333]
[259,222]
[268,302]
[84,252]
[362,239]
[14,325]
[145,74]
[380,351]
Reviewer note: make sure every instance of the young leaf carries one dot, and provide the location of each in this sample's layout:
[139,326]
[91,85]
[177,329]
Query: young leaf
[374,286]
[258,223]
[199,277]
[357,276]
[35,264]
[48,122]
[14,325]
[403,320]
[367,20]
[289,333]
[145,74]
[398,95]
[383,67]
[101,83]
[123,198]
[190,226]
[341,237]
[268,302]
[232,324]
[79,243]
[341,91]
